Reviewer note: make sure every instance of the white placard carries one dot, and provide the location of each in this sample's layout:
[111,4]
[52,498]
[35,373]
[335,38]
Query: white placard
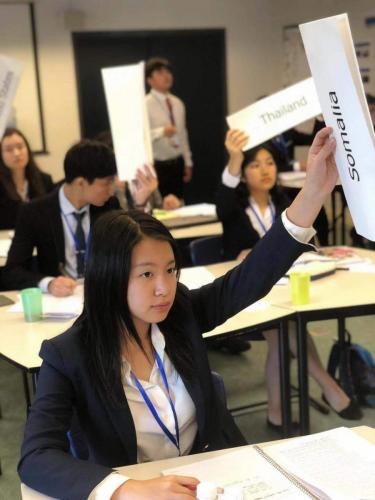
[125,96]
[331,55]
[276,113]
[10,74]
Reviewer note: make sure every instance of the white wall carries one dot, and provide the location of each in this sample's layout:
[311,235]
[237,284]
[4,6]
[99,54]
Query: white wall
[254,47]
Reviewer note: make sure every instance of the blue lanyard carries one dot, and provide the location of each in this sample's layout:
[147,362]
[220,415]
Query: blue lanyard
[281,145]
[260,220]
[76,244]
[174,439]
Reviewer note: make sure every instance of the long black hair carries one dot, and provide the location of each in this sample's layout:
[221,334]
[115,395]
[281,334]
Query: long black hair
[32,172]
[277,194]
[106,319]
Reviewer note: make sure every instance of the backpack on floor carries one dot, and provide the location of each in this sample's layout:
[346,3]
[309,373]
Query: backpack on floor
[353,367]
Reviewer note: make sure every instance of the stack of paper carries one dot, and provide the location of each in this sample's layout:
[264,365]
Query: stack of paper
[57,307]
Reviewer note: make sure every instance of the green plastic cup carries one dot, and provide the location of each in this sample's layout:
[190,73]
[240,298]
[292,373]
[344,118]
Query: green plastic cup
[300,287]
[32,304]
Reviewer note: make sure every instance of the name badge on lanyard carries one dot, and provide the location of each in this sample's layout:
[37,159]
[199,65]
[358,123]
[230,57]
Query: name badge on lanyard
[175,440]
[259,219]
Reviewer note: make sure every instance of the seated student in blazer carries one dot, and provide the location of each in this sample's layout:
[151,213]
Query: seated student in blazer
[134,368]
[58,225]
[142,193]
[248,204]
[20,178]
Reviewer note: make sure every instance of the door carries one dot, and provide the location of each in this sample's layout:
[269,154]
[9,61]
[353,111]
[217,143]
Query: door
[198,62]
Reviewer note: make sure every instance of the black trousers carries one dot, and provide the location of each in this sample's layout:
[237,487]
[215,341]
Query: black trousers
[170,176]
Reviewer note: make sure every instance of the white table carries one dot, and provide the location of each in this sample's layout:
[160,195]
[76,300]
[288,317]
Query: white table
[339,296]
[5,242]
[20,341]
[203,230]
[150,470]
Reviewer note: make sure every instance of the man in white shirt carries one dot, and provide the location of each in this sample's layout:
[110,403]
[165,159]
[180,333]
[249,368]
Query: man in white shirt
[170,142]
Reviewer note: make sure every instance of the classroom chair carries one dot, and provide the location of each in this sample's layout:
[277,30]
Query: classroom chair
[208,250]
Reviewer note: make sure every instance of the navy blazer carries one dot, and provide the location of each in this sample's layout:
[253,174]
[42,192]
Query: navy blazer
[64,383]
[238,231]
[9,208]
[39,226]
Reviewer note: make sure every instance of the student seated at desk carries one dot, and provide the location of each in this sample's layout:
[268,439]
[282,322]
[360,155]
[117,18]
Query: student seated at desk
[58,224]
[143,193]
[134,368]
[248,203]
[20,178]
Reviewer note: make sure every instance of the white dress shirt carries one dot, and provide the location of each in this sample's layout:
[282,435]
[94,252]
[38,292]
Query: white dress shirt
[168,148]
[152,443]
[261,222]
[69,223]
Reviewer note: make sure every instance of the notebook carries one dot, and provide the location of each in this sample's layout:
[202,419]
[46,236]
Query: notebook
[336,464]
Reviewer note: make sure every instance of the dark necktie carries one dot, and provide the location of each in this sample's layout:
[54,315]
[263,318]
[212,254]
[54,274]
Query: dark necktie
[170,110]
[80,242]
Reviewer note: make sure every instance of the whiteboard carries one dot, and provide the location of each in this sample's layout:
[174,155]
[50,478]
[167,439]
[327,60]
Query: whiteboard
[17,40]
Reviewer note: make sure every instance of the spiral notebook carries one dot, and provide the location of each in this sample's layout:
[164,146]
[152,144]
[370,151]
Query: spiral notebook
[336,464]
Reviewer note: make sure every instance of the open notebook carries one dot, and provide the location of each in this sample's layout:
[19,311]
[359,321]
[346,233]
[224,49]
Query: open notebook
[336,464]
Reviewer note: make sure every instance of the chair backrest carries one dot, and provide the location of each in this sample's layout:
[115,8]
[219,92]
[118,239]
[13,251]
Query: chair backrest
[204,251]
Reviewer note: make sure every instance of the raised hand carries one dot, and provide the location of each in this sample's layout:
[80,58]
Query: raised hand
[321,177]
[144,184]
[235,141]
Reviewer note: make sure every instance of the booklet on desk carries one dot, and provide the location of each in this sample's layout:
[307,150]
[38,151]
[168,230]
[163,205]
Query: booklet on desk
[336,464]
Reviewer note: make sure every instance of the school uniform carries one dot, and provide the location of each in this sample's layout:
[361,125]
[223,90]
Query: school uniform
[42,225]
[171,154]
[240,217]
[9,208]
[110,430]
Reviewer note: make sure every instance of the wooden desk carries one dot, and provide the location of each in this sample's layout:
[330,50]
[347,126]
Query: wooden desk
[150,470]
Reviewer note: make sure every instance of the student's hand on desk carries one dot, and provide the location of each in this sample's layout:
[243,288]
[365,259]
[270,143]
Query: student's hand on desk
[61,286]
[161,488]
[170,131]
[321,178]
[145,183]
[235,141]
[171,202]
